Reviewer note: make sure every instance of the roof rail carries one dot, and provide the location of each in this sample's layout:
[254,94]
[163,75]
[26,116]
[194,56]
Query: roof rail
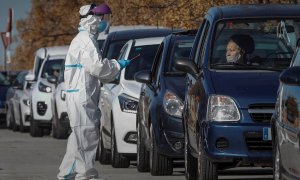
[186,32]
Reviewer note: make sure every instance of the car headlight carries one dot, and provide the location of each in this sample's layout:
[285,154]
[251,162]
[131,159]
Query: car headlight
[44,88]
[26,102]
[172,104]
[128,104]
[62,95]
[222,108]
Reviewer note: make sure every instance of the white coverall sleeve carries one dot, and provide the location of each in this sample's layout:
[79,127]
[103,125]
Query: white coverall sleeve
[104,69]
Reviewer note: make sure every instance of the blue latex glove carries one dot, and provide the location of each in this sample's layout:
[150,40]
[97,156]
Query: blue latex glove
[123,63]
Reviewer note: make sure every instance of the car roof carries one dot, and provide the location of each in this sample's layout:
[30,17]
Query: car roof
[52,50]
[138,33]
[254,11]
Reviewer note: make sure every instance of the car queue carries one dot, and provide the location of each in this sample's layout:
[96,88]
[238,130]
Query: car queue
[188,102]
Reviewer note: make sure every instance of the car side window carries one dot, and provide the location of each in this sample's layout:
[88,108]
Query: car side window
[203,38]
[157,64]
[296,61]
[123,52]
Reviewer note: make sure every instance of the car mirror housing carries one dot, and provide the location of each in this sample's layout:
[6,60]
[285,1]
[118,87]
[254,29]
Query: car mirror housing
[52,79]
[30,77]
[186,65]
[143,76]
[291,76]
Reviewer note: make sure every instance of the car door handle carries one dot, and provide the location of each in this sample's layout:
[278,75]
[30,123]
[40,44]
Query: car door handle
[105,93]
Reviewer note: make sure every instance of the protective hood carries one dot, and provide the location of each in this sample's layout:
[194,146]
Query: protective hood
[90,23]
[247,87]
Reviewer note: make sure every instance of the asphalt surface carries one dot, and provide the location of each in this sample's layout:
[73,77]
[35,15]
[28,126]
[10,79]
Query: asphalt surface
[23,157]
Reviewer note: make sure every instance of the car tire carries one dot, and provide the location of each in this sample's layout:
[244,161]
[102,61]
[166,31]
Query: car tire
[190,163]
[61,132]
[53,130]
[35,130]
[117,159]
[159,164]
[143,156]
[206,169]
[15,127]
[103,154]
[276,161]
[22,127]
[9,118]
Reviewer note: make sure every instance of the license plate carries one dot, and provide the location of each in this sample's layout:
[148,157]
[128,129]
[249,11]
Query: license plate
[267,134]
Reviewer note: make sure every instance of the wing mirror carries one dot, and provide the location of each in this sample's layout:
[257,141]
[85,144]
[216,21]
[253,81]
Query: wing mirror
[291,76]
[143,76]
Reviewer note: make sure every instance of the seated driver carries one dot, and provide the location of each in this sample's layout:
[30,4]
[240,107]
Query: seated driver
[238,47]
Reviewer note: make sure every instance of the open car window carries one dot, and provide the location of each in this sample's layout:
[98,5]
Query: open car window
[274,43]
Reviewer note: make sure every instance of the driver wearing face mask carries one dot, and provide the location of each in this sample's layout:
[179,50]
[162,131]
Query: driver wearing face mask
[85,69]
[238,47]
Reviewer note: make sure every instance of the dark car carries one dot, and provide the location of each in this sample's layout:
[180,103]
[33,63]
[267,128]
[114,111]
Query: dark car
[228,105]
[159,123]
[111,50]
[286,123]
[4,86]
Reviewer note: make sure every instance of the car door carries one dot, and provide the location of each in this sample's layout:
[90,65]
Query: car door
[290,107]
[109,90]
[194,88]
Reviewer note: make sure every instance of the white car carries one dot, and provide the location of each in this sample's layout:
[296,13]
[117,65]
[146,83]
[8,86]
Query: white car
[118,104]
[60,120]
[25,107]
[19,124]
[42,94]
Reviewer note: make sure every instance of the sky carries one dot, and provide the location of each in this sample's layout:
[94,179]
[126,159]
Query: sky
[21,8]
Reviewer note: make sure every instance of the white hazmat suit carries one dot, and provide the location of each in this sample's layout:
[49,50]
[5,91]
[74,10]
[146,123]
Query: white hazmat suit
[84,69]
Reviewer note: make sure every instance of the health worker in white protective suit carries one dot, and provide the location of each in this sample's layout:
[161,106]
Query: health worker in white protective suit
[84,69]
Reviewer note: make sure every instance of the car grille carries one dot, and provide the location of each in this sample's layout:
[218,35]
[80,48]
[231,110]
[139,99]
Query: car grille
[261,112]
[255,142]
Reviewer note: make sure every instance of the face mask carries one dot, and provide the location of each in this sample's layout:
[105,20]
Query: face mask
[233,58]
[102,26]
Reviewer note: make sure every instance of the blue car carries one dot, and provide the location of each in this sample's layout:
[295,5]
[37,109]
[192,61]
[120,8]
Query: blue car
[159,117]
[286,124]
[229,99]
[4,86]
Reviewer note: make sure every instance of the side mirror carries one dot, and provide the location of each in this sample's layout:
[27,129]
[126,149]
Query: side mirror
[30,77]
[290,76]
[187,66]
[52,79]
[143,76]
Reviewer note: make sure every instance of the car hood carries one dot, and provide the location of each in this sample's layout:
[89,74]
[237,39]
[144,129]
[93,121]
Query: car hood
[247,87]
[131,88]
[176,85]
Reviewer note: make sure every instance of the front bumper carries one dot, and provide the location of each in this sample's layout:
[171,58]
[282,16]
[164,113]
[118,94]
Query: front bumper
[236,142]
[171,136]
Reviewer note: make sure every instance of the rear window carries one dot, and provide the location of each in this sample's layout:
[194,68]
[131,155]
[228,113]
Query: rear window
[143,59]
[3,80]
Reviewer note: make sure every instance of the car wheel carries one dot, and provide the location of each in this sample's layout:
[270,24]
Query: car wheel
[35,130]
[15,127]
[276,162]
[61,132]
[143,156]
[117,159]
[206,169]
[53,130]
[190,163]
[22,127]
[9,118]
[103,154]
[159,164]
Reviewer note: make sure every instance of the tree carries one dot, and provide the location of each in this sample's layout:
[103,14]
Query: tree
[55,22]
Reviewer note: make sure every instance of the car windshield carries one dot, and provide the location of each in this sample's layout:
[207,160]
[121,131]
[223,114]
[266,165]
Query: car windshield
[52,67]
[114,49]
[142,59]
[263,45]
[181,49]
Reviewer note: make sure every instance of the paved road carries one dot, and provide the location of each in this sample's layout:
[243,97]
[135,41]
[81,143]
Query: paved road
[23,157]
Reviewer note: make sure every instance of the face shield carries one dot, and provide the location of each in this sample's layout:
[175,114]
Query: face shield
[104,22]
